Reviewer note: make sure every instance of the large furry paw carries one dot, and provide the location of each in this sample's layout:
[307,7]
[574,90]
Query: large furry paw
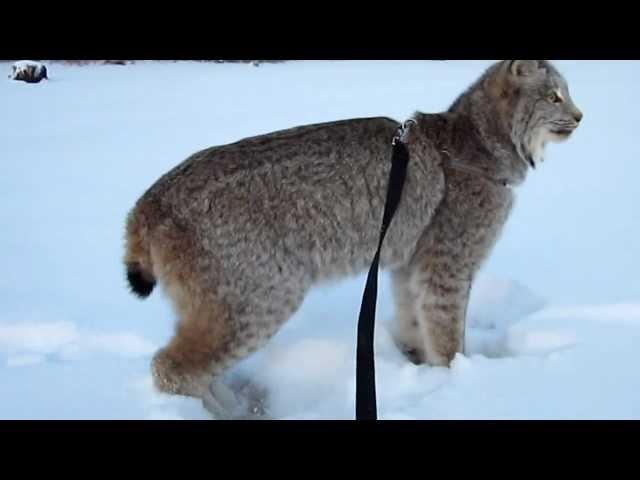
[241,402]
[254,399]
[415,355]
[170,377]
[165,373]
[215,407]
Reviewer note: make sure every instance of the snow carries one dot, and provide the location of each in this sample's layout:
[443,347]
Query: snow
[554,319]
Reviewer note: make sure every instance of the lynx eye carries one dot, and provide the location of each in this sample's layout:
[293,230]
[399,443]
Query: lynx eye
[554,97]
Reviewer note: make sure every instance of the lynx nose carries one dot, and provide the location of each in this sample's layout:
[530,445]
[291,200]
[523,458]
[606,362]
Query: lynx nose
[577,115]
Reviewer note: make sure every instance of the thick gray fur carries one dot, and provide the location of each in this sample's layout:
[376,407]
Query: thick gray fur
[238,234]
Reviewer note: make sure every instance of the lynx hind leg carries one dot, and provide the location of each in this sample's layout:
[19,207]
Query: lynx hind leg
[209,340]
[212,336]
[196,354]
[220,320]
[406,331]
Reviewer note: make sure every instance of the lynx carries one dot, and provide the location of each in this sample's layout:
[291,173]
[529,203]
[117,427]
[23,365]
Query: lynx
[237,234]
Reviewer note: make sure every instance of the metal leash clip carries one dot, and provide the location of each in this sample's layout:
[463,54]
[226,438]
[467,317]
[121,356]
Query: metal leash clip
[401,133]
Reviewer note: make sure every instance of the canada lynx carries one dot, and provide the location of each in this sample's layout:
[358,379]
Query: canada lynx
[237,234]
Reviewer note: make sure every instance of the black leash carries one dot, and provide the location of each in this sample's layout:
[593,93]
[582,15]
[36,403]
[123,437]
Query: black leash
[366,408]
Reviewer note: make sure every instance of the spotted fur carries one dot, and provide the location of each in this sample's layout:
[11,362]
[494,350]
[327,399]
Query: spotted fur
[237,234]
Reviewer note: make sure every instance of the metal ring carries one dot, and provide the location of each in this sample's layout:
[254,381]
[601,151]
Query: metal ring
[402,131]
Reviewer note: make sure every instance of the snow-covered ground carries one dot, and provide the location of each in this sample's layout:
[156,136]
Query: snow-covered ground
[554,322]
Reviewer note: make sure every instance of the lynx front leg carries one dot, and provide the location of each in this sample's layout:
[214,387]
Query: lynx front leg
[440,309]
[447,257]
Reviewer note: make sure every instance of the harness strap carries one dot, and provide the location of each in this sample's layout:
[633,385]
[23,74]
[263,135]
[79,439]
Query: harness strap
[466,168]
[366,408]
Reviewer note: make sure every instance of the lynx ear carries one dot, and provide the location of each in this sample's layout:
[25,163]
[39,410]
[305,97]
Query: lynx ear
[525,68]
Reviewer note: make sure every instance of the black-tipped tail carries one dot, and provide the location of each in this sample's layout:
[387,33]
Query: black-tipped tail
[141,283]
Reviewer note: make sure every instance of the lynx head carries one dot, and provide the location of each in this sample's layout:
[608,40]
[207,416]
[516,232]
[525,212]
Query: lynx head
[534,105]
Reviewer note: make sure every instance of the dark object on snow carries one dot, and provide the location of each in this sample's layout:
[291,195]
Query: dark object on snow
[30,72]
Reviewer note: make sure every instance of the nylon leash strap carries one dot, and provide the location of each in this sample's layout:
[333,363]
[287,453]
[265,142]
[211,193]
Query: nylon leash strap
[366,408]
